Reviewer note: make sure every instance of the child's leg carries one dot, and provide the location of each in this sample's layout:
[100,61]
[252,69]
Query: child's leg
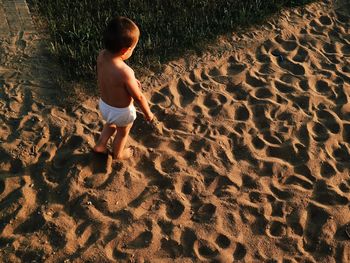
[119,143]
[107,131]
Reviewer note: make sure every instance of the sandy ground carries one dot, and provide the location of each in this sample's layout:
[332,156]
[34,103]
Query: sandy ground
[249,161]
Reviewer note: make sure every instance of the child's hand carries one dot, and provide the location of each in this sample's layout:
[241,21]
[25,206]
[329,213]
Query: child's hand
[149,117]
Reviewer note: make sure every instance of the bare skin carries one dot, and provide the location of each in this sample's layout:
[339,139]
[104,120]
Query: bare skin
[120,139]
[107,132]
[119,88]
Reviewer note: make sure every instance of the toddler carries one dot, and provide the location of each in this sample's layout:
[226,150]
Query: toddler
[118,86]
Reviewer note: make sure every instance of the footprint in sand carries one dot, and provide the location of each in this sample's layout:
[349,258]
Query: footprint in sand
[329,121]
[174,209]
[223,241]
[143,240]
[186,93]
[316,28]
[263,93]
[345,186]
[301,56]
[277,229]
[294,68]
[341,153]
[172,248]
[346,132]
[205,249]
[327,170]
[204,213]
[317,217]
[287,45]
[327,195]
[242,113]
[325,20]
[240,252]
[319,132]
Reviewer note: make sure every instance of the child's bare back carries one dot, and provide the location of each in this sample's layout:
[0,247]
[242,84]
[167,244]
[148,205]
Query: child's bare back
[118,87]
[111,79]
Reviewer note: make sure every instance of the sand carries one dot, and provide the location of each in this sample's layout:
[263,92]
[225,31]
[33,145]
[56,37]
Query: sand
[248,162]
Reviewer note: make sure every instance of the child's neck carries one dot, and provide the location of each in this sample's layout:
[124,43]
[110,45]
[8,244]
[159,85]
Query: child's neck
[115,57]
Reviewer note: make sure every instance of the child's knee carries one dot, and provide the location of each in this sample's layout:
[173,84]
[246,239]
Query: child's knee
[124,130]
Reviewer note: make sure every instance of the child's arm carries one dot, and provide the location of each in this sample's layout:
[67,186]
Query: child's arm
[132,85]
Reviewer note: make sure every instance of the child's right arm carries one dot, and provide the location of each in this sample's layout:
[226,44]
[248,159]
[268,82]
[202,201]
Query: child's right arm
[134,90]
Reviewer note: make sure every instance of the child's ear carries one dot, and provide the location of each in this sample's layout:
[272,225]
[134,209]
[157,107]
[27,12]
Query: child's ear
[124,50]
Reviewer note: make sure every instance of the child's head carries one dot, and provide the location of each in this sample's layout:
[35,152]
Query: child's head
[121,36]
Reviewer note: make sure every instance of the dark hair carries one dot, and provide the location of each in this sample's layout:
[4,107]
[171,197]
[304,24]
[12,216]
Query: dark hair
[120,33]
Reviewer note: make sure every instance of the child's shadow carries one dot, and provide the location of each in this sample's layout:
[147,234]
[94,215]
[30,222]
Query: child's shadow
[99,162]
[57,177]
[73,155]
[56,168]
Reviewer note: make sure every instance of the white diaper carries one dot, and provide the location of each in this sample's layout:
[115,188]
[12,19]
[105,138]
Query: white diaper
[119,116]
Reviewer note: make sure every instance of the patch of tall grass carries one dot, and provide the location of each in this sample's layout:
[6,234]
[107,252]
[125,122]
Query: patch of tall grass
[168,27]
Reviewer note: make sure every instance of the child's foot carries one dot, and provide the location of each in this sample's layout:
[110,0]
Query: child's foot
[126,154]
[100,149]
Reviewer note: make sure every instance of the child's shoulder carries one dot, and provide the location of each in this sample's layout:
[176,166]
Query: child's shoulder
[126,70]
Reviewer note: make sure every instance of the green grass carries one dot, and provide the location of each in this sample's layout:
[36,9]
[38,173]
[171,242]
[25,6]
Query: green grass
[168,27]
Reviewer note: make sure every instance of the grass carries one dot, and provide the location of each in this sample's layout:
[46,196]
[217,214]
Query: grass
[168,27]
